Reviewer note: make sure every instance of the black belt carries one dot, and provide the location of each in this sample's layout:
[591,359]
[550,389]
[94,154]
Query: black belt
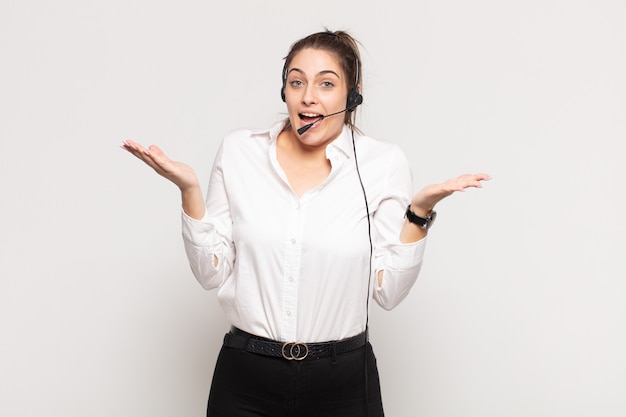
[298,351]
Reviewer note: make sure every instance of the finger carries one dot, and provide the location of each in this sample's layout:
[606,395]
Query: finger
[133,149]
[482,177]
[479,178]
[152,153]
[155,150]
[130,144]
[145,155]
[473,183]
[157,159]
[471,180]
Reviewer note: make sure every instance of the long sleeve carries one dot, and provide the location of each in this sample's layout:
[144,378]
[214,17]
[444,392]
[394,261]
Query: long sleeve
[400,263]
[211,237]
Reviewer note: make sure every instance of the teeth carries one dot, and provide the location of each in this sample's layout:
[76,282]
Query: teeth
[310,114]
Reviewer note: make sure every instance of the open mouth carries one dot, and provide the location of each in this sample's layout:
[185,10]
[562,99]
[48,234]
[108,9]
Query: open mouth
[310,117]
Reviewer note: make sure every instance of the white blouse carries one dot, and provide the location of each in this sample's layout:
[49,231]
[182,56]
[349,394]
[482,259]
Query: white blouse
[297,269]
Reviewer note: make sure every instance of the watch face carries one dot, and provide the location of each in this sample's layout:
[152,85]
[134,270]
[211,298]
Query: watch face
[431,219]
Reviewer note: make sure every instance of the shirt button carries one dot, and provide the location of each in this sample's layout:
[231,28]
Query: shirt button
[290,278]
[293,241]
[288,313]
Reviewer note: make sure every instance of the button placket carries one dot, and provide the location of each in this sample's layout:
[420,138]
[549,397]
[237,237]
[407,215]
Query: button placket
[291,271]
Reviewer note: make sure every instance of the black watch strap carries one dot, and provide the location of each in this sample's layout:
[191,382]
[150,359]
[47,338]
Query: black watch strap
[422,222]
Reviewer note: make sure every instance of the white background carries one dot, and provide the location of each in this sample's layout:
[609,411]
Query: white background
[519,310]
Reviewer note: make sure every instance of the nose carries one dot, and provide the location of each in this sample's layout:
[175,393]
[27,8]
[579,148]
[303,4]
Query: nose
[309,96]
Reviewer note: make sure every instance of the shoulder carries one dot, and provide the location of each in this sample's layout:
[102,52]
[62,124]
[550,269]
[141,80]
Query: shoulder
[384,167]
[382,151]
[246,136]
[247,147]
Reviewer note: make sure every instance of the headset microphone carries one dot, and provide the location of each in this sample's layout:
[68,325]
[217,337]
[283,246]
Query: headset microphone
[310,125]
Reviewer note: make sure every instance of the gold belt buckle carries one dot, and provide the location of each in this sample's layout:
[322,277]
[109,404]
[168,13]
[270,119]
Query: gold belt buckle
[295,351]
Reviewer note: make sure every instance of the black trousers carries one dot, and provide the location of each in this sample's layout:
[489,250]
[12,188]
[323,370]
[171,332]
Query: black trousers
[251,385]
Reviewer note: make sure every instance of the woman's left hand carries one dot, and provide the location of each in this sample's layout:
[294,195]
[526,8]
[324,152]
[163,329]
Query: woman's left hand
[425,200]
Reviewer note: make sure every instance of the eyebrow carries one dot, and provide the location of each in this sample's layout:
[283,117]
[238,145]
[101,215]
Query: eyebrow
[323,72]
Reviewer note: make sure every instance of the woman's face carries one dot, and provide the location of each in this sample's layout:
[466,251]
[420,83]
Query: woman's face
[315,86]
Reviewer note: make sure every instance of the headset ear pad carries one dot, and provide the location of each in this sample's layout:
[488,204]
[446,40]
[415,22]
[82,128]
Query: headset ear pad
[354,99]
[282,89]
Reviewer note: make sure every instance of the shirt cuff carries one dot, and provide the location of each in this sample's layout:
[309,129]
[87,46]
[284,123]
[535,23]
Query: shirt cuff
[403,256]
[199,232]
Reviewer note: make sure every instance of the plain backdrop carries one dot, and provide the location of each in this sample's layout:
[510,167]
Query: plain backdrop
[519,309]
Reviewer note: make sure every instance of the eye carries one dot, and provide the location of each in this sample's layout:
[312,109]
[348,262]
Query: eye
[327,84]
[295,83]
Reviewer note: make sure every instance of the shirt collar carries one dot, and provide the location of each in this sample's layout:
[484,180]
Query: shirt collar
[342,144]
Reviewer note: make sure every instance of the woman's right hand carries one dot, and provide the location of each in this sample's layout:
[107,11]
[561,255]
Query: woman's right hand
[180,174]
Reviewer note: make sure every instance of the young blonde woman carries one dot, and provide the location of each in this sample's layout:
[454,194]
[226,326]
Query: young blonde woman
[303,223]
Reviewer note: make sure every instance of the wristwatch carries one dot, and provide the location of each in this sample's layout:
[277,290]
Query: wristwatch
[422,222]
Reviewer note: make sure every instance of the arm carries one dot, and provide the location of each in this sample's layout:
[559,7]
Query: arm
[424,203]
[207,244]
[208,241]
[400,250]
